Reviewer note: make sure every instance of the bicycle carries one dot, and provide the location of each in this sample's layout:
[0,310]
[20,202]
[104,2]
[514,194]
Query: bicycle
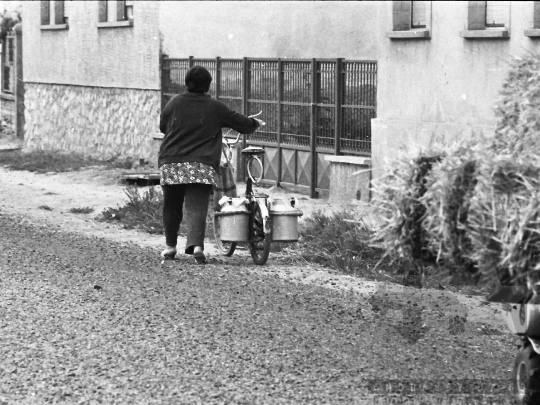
[227,248]
[259,220]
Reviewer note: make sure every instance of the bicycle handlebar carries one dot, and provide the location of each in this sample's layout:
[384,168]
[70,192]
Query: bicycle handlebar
[229,142]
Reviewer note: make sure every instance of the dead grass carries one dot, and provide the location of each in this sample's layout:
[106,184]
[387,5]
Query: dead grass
[144,211]
[81,210]
[53,161]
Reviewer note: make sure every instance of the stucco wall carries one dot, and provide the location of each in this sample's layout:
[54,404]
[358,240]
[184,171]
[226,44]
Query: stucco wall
[125,57]
[286,29]
[7,107]
[445,87]
[100,122]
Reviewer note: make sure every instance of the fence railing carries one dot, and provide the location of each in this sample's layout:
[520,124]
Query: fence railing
[322,105]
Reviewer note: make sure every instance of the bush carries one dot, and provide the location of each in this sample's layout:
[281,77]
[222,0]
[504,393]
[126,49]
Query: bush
[142,211]
[340,240]
[398,199]
[475,208]
[447,201]
[518,110]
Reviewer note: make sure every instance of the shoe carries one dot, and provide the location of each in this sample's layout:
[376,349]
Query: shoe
[199,255]
[169,253]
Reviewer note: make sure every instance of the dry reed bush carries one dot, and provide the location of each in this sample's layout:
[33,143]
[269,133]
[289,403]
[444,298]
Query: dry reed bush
[518,109]
[447,200]
[505,209]
[477,209]
[503,220]
[397,197]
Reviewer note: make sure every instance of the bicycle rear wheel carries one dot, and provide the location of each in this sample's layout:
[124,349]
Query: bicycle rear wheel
[258,241]
[227,248]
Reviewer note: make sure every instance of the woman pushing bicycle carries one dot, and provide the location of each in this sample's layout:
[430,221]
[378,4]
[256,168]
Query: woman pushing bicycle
[189,158]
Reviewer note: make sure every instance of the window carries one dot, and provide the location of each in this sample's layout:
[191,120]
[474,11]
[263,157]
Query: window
[487,19]
[496,14]
[535,31]
[115,13]
[53,16]
[419,14]
[8,70]
[410,19]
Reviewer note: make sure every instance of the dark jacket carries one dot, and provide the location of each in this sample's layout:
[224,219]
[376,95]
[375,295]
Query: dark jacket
[192,125]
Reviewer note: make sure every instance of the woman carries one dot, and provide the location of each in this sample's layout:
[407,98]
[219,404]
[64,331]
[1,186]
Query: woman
[189,158]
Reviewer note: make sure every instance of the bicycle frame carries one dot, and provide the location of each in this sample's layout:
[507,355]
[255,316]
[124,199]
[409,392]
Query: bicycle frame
[261,199]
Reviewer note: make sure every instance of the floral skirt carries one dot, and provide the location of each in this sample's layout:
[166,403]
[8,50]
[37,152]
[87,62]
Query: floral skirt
[187,172]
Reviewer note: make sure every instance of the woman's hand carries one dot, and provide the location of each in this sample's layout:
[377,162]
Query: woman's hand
[261,122]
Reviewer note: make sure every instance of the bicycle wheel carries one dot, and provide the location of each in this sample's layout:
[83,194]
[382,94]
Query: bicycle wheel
[258,241]
[227,248]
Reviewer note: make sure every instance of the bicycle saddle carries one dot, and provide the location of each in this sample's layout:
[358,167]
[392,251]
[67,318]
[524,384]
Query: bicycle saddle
[253,150]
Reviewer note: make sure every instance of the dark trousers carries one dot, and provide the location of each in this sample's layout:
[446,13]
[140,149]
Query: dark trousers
[196,197]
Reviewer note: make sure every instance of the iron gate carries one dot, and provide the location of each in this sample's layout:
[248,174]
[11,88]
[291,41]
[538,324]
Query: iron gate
[312,108]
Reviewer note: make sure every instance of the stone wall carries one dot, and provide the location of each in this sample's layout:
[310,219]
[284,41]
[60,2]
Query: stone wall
[95,121]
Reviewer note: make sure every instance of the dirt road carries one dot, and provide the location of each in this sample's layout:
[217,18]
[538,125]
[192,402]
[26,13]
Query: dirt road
[89,314]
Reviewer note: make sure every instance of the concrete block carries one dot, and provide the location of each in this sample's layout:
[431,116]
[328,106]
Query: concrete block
[350,179]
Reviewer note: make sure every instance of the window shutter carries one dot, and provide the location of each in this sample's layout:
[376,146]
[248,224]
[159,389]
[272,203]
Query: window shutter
[120,10]
[401,13]
[536,14]
[477,15]
[59,12]
[45,12]
[102,17]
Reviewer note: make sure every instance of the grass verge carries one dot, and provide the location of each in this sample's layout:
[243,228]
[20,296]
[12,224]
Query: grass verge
[144,211]
[340,240]
[81,210]
[54,161]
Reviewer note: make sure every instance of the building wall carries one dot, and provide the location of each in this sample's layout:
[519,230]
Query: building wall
[89,89]
[7,106]
[235,29]
[443,88]
[101,122]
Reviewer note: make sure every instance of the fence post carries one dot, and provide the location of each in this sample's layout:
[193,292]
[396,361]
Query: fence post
[245,110]
[218,77]
[339,99]
[313,129]
[163,77]
[190,61]
[281,81]
[19,84]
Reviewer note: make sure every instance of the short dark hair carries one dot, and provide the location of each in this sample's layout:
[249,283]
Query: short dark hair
[198,79]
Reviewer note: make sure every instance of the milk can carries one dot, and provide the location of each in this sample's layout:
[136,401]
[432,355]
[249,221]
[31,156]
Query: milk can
[284,220]
[233,219]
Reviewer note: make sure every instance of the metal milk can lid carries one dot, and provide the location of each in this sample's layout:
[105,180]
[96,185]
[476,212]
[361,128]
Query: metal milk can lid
[284,206]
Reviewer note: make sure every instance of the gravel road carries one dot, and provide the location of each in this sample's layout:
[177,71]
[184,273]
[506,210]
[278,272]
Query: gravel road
[89,320]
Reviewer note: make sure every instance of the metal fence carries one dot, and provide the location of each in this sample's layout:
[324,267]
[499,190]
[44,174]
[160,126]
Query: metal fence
[316,106]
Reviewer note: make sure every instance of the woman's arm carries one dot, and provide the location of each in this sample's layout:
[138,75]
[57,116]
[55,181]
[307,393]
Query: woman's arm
[239,122]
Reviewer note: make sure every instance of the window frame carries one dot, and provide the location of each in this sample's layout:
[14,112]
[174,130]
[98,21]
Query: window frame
[418,27]
[477,27]
[60,18]
[8,60]
[122,19]
[534,32]
[402,27]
